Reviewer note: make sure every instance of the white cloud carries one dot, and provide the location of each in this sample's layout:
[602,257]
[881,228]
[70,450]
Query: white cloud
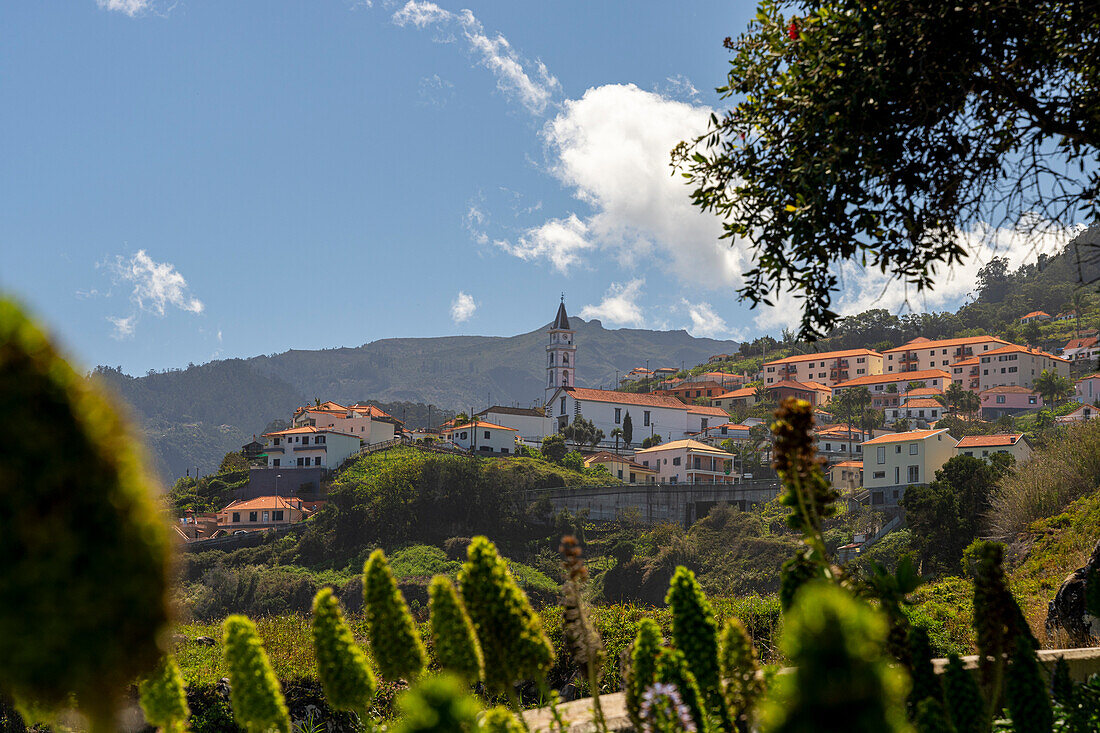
[436,91]
[124,327]
[157,285]
[462,307]
[862,288]
[534,87]
[129,7]
[559,240]
[705,322]
[619,305]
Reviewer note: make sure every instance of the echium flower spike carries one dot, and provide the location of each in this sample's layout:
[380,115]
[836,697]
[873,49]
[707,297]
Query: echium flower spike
[453,637]
[342,667]
[437,705]
[965,705]
[499,720]
[394,641]
[1026,691]
[584,640]
[740,670]
[1061,685]
[254,693]
[662,711]
[695,633]
[843,678]
[806,490]
[163,699]
[672,669]
[642,668]
[513,643]
[998,621]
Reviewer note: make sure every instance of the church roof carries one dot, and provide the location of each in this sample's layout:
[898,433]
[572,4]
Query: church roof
[561,321]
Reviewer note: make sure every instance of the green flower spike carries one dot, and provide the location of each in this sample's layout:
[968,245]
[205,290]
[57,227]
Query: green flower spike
[965,704]
[86,549]
[643,667]
[740,670]
[437,705]
[163,699]
[672,668]
[843,678]
[500,720]
[453,637]
[1026,691]
[513,643]
[931,717]
[395,643]
[695,633]
[254,693]
[342,667]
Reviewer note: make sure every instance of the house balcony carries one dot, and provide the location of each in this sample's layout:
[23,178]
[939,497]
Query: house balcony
[322,446]
[274,449]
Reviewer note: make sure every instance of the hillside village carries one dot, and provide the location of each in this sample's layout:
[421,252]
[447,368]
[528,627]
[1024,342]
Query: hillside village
[887,419]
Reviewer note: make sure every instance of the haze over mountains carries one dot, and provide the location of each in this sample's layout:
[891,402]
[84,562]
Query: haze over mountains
[192,417]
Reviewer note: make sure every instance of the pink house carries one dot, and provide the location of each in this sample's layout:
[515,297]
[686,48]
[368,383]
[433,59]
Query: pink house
[1009,399]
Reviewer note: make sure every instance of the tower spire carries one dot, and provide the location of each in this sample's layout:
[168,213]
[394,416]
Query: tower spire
[560,353]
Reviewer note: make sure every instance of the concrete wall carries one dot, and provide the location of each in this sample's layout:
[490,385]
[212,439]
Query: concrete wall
[261,482]
[678,503]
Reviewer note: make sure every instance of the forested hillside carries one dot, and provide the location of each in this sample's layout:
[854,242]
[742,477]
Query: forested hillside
[192,417]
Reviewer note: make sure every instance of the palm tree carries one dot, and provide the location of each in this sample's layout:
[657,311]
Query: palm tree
[954,395]
[970,403]
[1052,386]
[616,434]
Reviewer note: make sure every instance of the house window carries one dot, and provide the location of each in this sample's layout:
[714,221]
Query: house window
[914,474]
[277,516]
[645,418]
[897,449]
[882,454]
[632,478]
[320,439]
[236,517]
[462,435]
[275,441]
[676,461]
[703,423]
[879,474]
[828,446]
[316,461]
[562,406]
[1031,400]
[620,472]
[618,415]
[267,517]
[305,440]
[1000,399]
[486,434]
[897,474]
[301,461]
[252,516]
[275,463]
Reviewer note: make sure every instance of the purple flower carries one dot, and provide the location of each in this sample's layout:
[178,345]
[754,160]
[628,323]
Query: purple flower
[663,710]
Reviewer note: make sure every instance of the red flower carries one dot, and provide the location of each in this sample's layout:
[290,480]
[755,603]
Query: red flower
[792,31]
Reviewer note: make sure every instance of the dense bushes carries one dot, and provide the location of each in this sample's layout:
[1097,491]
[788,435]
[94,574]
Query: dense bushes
[1065,470]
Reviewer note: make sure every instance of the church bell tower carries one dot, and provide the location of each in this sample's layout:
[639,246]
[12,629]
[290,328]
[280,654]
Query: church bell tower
[561,353]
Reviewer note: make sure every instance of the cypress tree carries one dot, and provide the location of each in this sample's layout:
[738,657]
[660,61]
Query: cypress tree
[965,704]
[85,545]
[513,643]
[740,668]
[453,637]
[1026,691]
[254,693]
[643,666]
[162,697]
[672,668]
[342,667]
[695,633]
[394,641]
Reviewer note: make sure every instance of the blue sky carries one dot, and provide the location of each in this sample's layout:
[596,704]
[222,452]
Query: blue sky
[185,180]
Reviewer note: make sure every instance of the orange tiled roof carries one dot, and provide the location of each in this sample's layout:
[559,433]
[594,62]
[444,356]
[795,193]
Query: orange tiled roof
[910,435]
[924,343]
[986,441]
[917,376]
[922,402]
[792,384]
[1032,314]
[972,361]
[703,410]
[609,457]
[1016,349]
[848,464]
[1009,389]
[310,429]
[737,393]
[824,355]
[923,391]
[479,424]
[625,398]
[262,502]
[1082,343]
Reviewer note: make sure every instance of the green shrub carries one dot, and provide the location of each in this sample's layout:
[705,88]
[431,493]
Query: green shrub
[86,550]
[500,720]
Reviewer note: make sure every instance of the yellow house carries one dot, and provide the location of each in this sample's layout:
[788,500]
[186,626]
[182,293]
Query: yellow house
[622,468]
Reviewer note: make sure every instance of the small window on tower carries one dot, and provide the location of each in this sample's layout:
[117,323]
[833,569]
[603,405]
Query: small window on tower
[565,358]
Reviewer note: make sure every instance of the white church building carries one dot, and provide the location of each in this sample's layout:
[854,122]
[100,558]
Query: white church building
[607,409]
